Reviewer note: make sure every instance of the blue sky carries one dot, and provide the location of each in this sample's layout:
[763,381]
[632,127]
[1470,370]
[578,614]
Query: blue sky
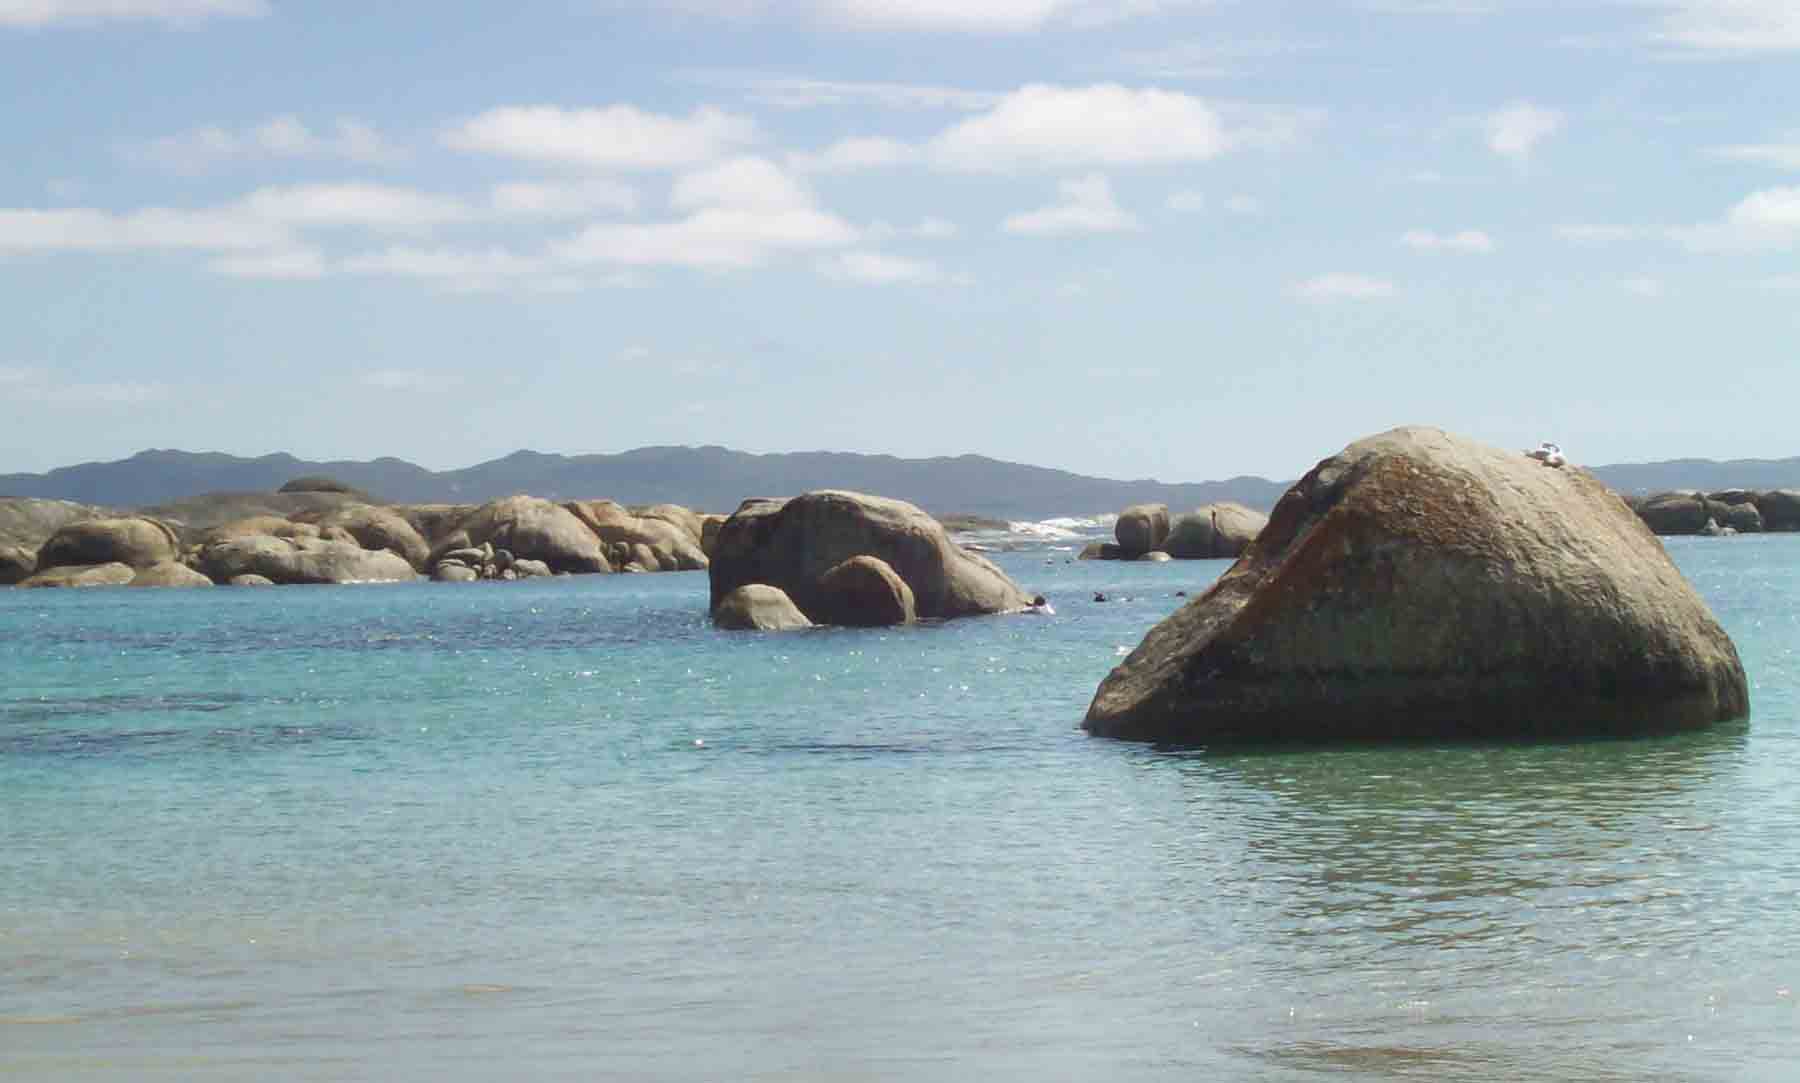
[1134,238]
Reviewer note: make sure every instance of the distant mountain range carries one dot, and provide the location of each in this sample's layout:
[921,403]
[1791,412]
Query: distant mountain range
[717,479]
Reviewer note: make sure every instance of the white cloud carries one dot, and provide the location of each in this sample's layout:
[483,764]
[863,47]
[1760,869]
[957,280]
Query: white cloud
[1339,286]
[540,199]
[929,229]
[854,155]
[880,268]
[1766,219]
[1729,27]
[1106,124]
[1780,155]
[1087,206]
[716,238]
[789,92]
[612,137]
[49,12]
[1188,201]
[1244,205]
[289,264]
[281,137]
[376,206]
[1515,131]
[1468,240]
[746,183]
[82,229]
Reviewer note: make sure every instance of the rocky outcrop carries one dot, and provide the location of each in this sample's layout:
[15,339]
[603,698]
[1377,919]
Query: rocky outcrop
[527,526]
[454,571]
[273,526]
[792,544]
[27,523]
[88,575]
[864,592]
[377,528]
[169,574]
[314,483]
[1214,531]
[757,607]
[1744,511]
[658,543]
[16,563]
[688,520]
[133,541]
[1674,512]
[1141,528]
[1743,518]
[709,532]
[1421,584]
[1780,509]
[250,579]
[301,560]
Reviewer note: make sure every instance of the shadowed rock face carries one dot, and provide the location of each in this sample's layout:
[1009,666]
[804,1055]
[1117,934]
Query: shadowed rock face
[864,592]
[1141,528]
[137,542]
[792,544]
[1420,584]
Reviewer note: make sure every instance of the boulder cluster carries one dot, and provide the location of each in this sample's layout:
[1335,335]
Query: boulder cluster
[844,558]
[1210,532]
[1725,512]
[346,540]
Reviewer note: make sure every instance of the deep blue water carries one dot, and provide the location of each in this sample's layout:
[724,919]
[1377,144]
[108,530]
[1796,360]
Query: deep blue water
[565,830]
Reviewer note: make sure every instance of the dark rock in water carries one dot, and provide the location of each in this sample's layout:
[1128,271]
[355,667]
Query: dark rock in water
[758,607]
[1141,528]
[792,544]
[1420,584]
[1102,551]
[1215,531]
[1780,509]
[16,563]
[1732,497]
[137,542]
[863,592]
[450,571]
[1744,518]
[531,569]
[169,574]
[1673,512]
[1154,556]
[1099,596]
[93,575]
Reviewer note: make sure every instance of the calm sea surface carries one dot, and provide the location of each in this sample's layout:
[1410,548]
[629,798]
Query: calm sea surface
[565,830]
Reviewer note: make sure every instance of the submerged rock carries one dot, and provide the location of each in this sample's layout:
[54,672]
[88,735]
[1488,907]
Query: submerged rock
[792,544]
[1420,584]
[758,607]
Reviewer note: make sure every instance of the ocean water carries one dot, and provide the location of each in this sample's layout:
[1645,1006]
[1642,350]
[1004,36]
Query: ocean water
[565,830]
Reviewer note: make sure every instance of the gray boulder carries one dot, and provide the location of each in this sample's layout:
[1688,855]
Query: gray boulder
[134,541]
[1674,512]
[531,569]
[27,522]
[1101,551]
[658,543]
[1743,518]
[1141,528]
[531,528]
[1421,584]
[686,519]
[451,571]
[250,580]
[757,607]
[89,575]
[792,544]
[864,592]
[376,528]
[169,574]
[1215,531]
[301,560]
[1780,509]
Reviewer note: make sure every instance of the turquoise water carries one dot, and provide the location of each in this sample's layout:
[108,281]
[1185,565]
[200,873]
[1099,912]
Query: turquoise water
[565,830]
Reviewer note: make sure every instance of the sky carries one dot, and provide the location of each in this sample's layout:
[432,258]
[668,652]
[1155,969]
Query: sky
[1130,238]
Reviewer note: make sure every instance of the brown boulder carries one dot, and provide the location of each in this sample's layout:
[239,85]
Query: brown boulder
[758,607]
[16,563]
[301,560]
[89,575]
[792,544]
[864,592]
[27,522]
[134,541]
[1421,584]
[529,527]
[1215,531]
[1780,509]
[670,545]
[1673,512]
[169,574]
[376,528]
[1141,528]
[273,526]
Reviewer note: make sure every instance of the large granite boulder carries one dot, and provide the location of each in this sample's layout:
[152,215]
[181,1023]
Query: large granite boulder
[1141,528]
[377,528]
[1780,509]
[301,560]
[113,574]
[169,574]
[28,522]
[1421,584]
[665,541]
[709,532]
[1214,531]
[16,563]
[274,526]
[792,544]
[864,592]
[1673,512]
[686,518]
[1743,518]
[529,527]
[134,541]
[758,607]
